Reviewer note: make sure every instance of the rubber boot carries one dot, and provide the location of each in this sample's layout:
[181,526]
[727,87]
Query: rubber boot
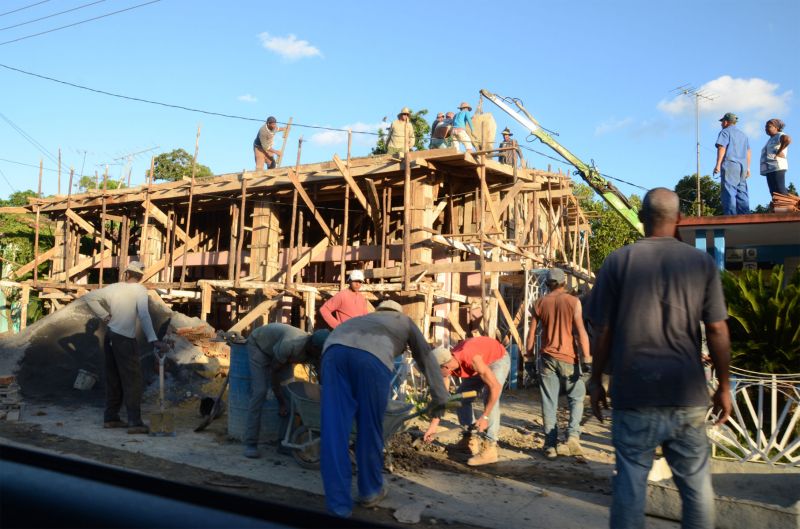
[487,456]
[469,443]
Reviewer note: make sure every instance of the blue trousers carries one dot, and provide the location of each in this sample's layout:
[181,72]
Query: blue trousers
[682,435]
[554,374]
[735,200]
[357,386]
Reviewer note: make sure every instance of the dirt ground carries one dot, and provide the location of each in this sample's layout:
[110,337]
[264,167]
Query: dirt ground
[520,449]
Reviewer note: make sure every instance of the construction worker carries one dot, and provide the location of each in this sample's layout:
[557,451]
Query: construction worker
[561,318]
[401,133]
[120,306]
[263,144]
[511,146]
[646,309]
[347,303]
[440,135]
[273,350]
[483,364]
[460,123]
[733,166]
[357,364]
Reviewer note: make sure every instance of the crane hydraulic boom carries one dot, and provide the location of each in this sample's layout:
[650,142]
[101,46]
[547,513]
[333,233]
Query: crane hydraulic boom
[604,188]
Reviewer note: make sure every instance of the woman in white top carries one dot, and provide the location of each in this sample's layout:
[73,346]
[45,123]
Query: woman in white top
[774,161]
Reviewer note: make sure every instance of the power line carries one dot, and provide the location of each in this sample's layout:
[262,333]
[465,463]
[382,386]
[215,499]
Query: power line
[41,148]
[23,8]
[79,22]
[51,16]
[27,164]
[169,105]
[7,182]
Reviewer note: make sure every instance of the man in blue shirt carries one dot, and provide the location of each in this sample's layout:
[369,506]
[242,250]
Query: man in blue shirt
[733,165]
[460,122]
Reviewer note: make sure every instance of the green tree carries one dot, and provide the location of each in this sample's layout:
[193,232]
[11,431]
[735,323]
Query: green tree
[177,164]
[609,230]
[87,182]
[686,188]
[421,132]
[18,198]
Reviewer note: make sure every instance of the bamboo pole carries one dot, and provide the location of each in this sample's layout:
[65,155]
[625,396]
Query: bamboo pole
[290,250]
[67,230]
[345,227]
[191,196]
[143,237]
[406,222]
[36,234]
[234,214]
[482,227]
[384,227]
[103,226]
[300,225]
[59,171]
[240,233]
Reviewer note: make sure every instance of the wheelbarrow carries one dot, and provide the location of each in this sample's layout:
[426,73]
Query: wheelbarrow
[303,434]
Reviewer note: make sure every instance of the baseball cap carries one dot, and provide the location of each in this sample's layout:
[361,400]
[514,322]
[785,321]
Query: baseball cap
[441,354]
[357,275]
[135,267]
[556,275]
[730,116]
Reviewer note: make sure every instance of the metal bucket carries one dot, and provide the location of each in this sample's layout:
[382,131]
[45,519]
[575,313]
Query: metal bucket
[85,380]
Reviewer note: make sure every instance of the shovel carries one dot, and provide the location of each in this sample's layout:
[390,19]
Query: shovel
[162,424]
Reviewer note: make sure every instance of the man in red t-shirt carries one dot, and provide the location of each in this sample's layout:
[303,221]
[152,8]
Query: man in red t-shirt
[482,363]
[348,303]
[560,316]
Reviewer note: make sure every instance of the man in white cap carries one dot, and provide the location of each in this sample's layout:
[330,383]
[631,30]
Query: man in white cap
[120,306]
[482,364]
[460,123]
[561,318]
[263,145]
[401,136]
[348,303]
[357,365]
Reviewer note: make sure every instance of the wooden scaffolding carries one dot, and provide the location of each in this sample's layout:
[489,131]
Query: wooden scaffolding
[451,236]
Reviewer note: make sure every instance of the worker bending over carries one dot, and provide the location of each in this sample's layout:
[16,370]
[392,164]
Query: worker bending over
[119,306]
[273,350]
[357,362]
[482,363]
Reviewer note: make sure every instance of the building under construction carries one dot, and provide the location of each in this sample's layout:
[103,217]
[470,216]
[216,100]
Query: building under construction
[458,238]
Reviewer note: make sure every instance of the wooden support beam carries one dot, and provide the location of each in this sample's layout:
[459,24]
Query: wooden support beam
[162,218]
[362,199]
[310,205]
[88,262]
[205,300]
[36,234]
[24,269]
[512,326]
[375,208]
[489,204]
[260,309]
[85,226]
[510,196]
[23,306]
[169,260]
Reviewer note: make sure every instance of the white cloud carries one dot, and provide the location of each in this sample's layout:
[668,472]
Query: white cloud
[247,98]
[337,137]
[290,48]
[755,97]
[611,125]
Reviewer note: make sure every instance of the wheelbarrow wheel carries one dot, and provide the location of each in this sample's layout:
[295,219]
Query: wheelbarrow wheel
[307,457]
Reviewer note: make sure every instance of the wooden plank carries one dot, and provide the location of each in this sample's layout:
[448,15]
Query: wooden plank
[205,300]
[488,202]
[510,196]
[375,208]
[237,272]
[507,315]
[156,267]
[24,269]
[260,309]
[286,131]
[38,215]
[23,306]
[88,262]
[310,205]
[162,218]
[349,179]
[15,210]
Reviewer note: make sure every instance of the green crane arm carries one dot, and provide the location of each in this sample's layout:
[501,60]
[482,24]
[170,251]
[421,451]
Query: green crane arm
[603,187]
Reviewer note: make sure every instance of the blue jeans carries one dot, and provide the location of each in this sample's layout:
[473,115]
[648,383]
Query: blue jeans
[682,435]
[357,385]
[735,200]
[500,369]
[555,373]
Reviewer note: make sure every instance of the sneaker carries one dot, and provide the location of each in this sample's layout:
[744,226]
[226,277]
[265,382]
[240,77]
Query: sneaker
[375,499]
[550,452]
[574,447]
[487,456]
[251,451]
[139,429]
[115,424]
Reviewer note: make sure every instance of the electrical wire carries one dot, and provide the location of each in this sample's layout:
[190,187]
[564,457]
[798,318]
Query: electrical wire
[24,8]
[79,22]
[7,182]
[51,16]
[27,164]
[41,148]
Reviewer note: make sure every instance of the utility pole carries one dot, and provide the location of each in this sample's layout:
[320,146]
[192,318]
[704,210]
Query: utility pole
[689,90]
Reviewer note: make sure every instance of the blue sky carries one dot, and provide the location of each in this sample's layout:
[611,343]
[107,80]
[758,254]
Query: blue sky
[598,73]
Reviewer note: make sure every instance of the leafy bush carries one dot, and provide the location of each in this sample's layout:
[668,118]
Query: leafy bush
[764,319]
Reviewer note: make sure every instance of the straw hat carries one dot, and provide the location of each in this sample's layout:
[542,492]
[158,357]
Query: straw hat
[406,111]
[507,132]
[464,105]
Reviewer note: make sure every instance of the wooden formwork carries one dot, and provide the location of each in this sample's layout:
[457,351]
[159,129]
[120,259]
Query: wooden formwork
[447,234]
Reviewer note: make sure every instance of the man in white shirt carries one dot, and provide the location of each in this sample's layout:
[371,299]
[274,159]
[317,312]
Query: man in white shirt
[120,306]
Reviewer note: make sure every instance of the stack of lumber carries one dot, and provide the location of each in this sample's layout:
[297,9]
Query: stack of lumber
[10,401]
[202,336]
[782,202]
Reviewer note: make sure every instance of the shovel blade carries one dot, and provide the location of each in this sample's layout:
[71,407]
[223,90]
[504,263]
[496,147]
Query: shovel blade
[162,424]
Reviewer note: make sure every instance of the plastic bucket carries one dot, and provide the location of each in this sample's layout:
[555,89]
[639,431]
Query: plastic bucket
[85,380]
[239,400]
